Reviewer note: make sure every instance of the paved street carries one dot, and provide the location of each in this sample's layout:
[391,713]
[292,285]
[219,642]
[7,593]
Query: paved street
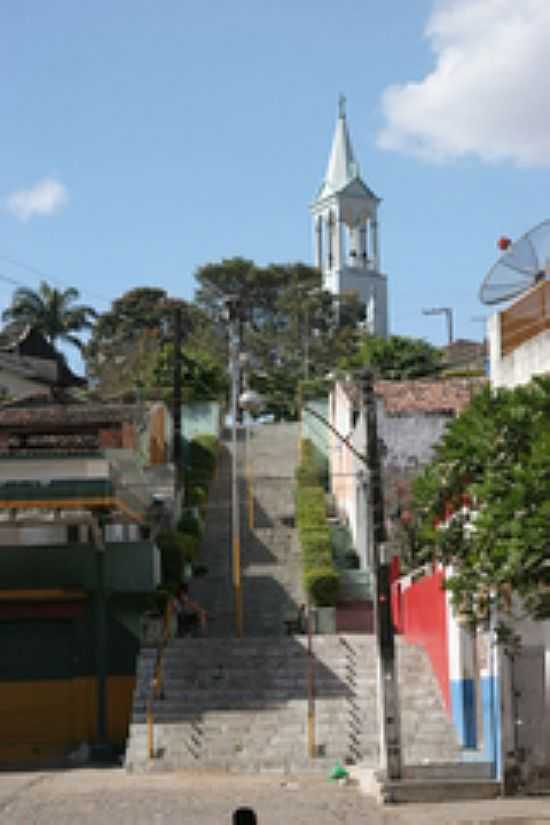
[109,795]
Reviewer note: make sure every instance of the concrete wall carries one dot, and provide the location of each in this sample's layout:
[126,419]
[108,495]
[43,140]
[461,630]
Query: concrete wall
[529,359]
[409,440]
[467,666]
[200,417]
[315,430]
[131,567]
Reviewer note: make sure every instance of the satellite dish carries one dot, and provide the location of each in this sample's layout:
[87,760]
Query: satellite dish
[523,264]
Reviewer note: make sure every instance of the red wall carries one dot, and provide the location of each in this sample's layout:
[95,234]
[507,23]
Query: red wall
[422,619]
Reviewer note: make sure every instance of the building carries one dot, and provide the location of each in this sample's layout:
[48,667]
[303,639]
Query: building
[346,232]
[30,365]
[412,416]
[78,568]
[519,338]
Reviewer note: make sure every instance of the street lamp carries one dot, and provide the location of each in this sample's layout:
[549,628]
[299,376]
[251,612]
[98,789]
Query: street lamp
[447,311]
[231,315]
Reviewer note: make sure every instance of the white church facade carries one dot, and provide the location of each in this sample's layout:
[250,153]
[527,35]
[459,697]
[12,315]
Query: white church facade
[346,232]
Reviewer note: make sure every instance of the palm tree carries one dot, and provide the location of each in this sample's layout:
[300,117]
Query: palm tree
[52,312]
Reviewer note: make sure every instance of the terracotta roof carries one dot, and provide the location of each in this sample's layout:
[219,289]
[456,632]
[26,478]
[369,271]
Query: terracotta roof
[464,353]
[448,395]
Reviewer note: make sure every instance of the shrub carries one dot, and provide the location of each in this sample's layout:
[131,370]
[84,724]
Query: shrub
[321,579]
[322,585]
[190,547]
[172,547]
[203,453]
[310,471]
[190,523]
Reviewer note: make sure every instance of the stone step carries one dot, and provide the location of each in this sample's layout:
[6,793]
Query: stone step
[449,770]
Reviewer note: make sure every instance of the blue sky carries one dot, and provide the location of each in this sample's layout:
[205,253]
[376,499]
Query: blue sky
[140,139]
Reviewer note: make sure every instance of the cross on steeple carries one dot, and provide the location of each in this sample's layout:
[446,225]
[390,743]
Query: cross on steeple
[342,106]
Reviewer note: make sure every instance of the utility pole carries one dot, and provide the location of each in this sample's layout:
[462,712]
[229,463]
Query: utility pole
[391,757]
[176,408]
[232,315]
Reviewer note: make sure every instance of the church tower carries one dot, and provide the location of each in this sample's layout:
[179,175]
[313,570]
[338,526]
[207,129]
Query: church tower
[346,232]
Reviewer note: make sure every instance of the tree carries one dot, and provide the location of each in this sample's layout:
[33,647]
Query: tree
[397,358]
[483,504]
[204,376]
[126,348]
[290,326]
[52,312]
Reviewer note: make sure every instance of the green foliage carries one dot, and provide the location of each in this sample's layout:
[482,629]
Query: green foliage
[172,549]
[290,326]
[131,348]
[183,544]
[190,523]
[396,358]
[201,464]
[488,489]
[203,373]
[313,468]
[321,579]
[322,584]
[52,312]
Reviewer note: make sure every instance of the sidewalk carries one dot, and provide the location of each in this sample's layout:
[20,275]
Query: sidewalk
[91,796]
[509,811]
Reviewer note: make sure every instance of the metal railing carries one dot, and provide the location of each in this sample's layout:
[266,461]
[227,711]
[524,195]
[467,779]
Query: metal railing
[156,686]
[526,318]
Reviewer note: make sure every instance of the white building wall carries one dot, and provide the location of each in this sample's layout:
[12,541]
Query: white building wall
[518,367]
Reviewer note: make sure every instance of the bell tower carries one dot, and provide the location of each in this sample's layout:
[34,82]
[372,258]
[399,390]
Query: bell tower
[346,231]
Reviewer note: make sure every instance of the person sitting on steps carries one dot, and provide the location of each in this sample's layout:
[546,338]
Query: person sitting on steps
[189,613]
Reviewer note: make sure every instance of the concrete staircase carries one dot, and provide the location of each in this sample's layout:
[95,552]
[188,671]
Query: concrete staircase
[241,704]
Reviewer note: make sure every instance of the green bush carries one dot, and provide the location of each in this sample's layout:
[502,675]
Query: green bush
[172,548]
[310,471]
[203,454]
[190,523]
[322,585]
[310,505]
[190,547]
[176,548]
[315,544]
[321,579]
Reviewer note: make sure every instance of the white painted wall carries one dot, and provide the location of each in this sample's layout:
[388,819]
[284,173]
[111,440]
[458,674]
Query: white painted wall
[518,367]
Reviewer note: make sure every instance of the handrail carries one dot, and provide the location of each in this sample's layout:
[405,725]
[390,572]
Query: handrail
[311,744]
[156,687]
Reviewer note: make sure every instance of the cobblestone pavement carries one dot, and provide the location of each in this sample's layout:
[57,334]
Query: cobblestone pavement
[103,796]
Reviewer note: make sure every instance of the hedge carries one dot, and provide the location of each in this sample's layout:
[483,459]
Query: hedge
[201,464]
[322,585]
[321,579]
[181,545]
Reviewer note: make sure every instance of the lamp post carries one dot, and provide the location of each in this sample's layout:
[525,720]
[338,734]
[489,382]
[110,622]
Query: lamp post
[447,311]
[388,702]
[249,400]
[231,314]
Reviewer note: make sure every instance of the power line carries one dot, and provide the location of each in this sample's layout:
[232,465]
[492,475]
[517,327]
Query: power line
[35,271]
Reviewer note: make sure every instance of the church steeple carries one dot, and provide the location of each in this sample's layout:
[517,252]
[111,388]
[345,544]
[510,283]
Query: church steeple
[342,167]
[346,230]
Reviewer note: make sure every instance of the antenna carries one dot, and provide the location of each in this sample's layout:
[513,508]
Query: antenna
[521,265]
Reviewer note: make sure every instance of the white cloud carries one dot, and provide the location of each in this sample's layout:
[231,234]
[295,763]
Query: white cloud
[46,197]
[487,95]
